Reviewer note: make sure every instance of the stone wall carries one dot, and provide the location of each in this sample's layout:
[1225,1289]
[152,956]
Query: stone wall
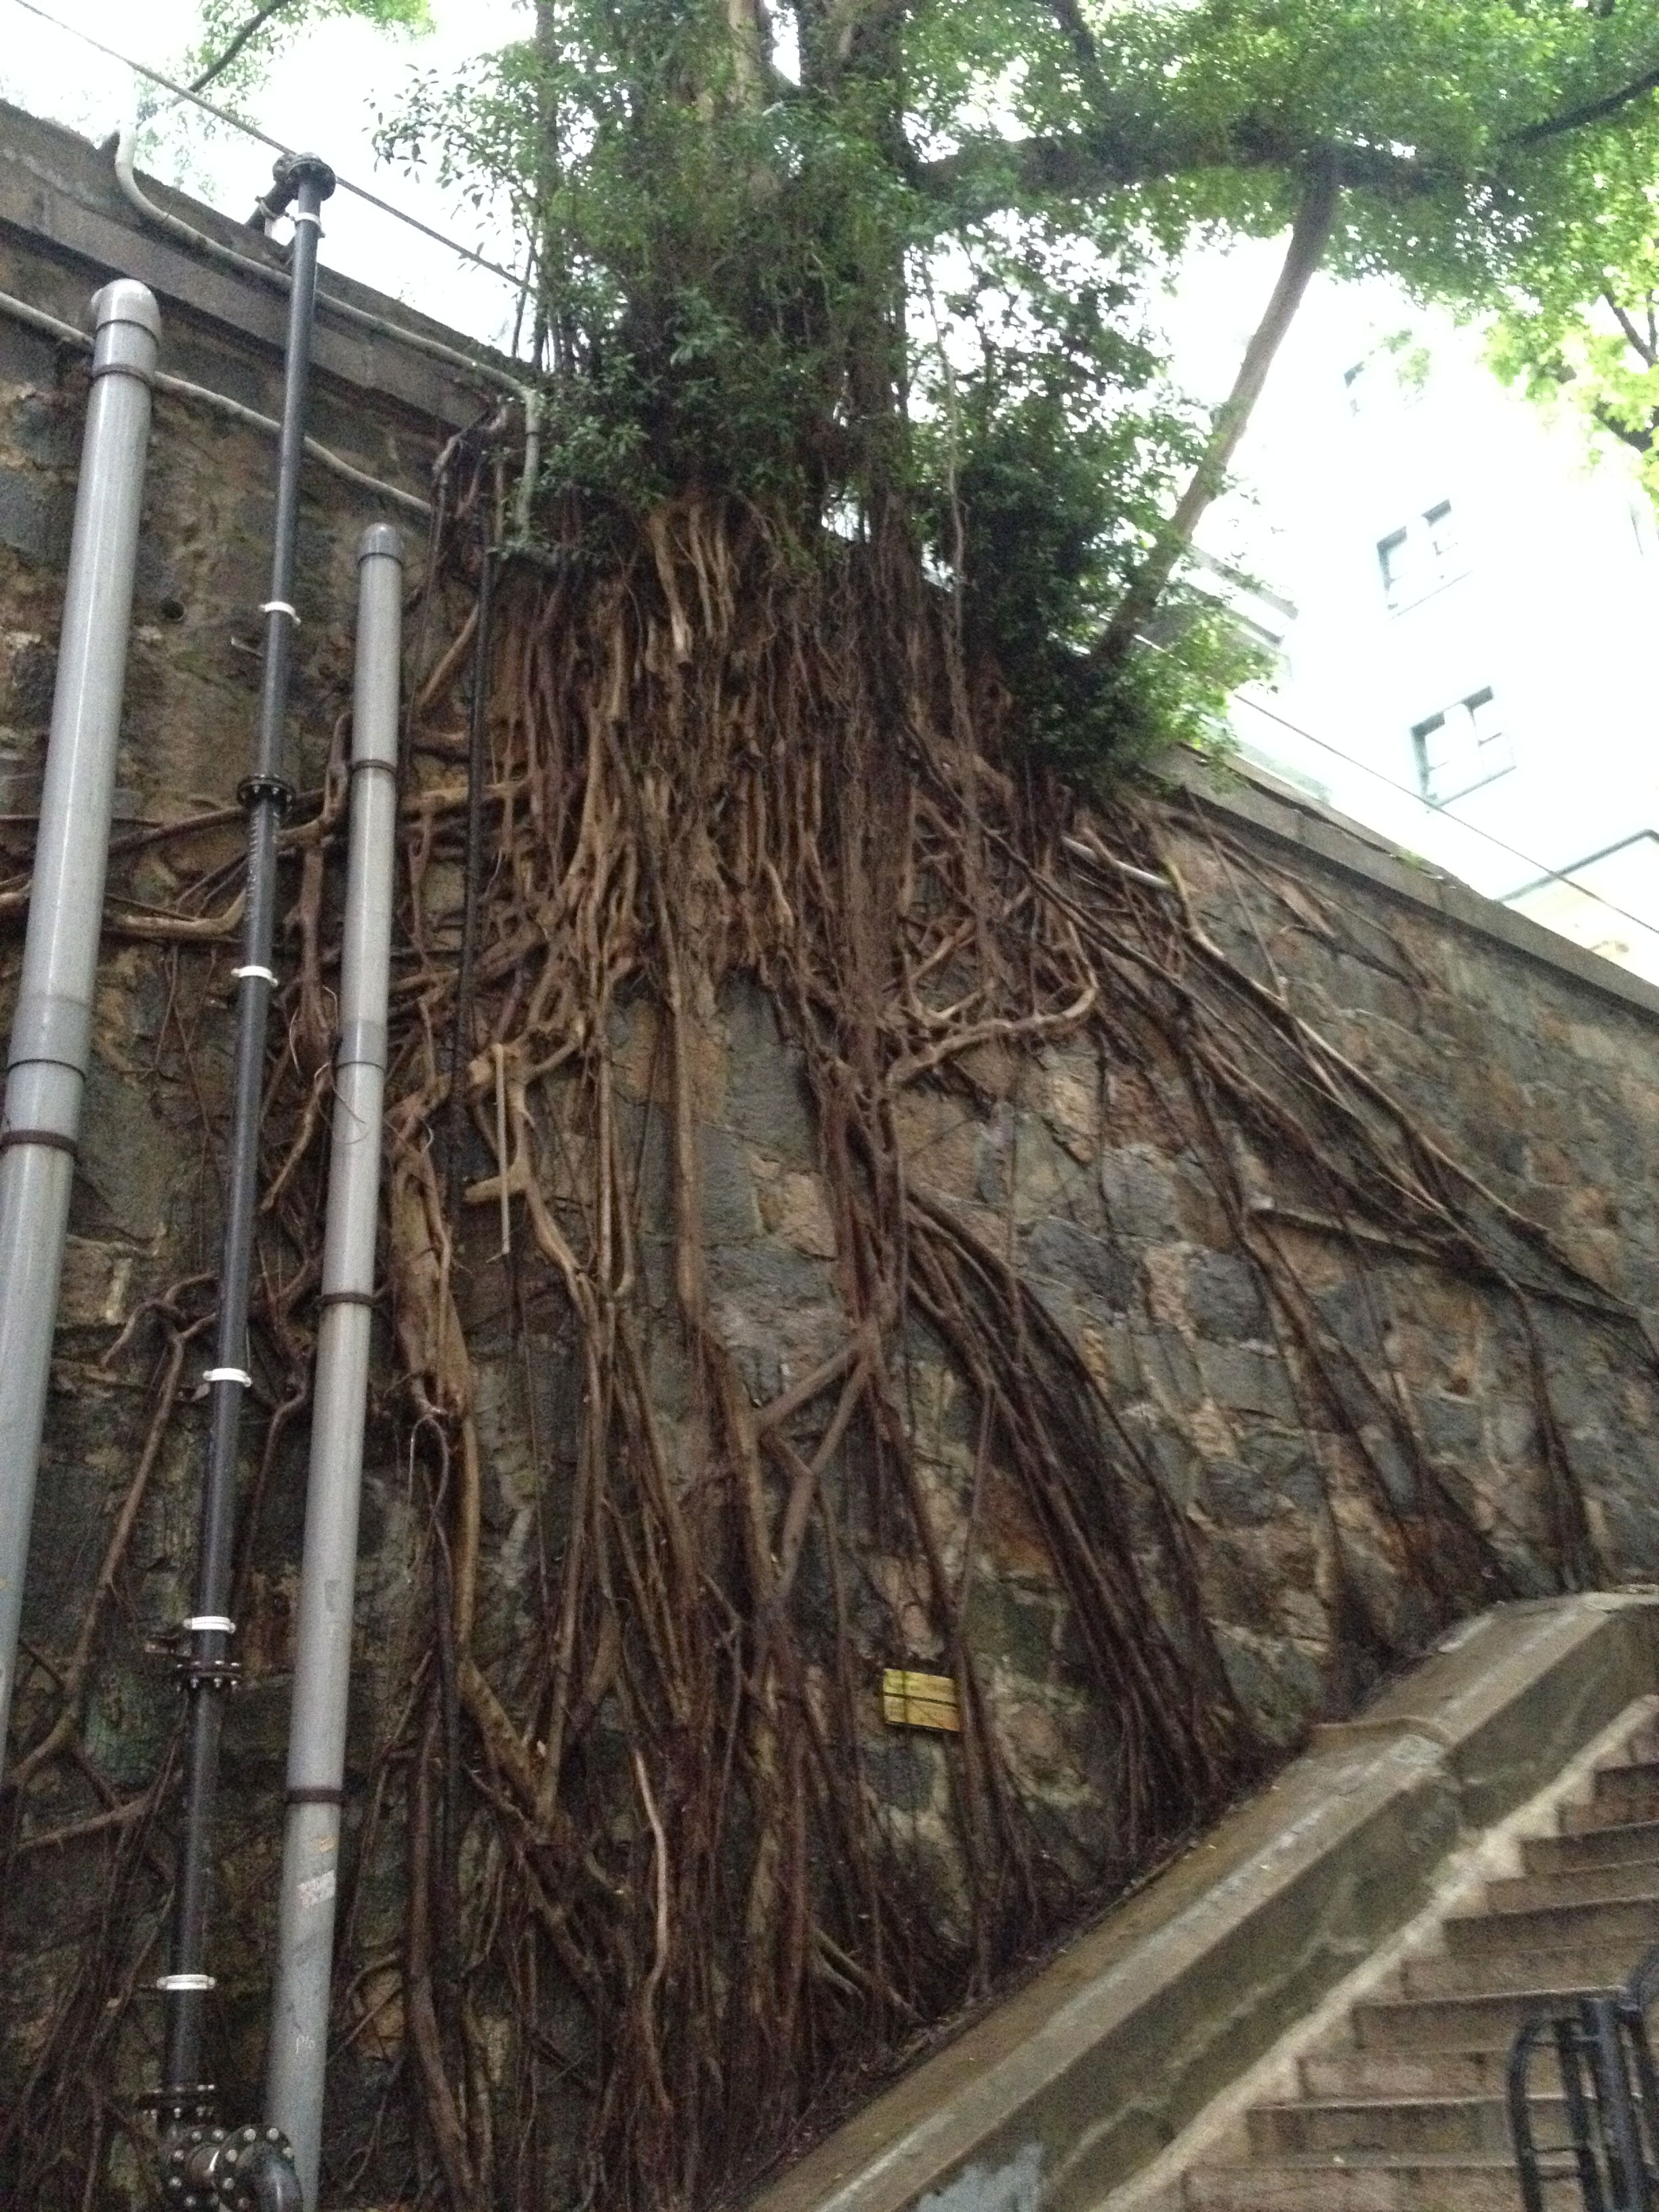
[1532,1065]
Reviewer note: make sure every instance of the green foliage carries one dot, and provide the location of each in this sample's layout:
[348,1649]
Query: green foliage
[910,273]
[1580,324]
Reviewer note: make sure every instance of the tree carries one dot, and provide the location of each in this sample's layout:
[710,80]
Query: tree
[851,252]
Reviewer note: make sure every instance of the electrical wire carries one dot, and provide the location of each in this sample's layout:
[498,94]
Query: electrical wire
[37,318]
[1542,873]
[514,277]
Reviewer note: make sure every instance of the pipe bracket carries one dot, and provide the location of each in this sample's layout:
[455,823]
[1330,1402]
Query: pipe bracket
[51,1140]
[51,1026]
[362,1044]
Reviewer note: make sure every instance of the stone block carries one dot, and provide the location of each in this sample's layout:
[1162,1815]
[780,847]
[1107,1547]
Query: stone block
[1141,1195]
[731,1211]
[1239,1496]
[35,515]
[1451,1428]
[31,676]
[1287,1462]
[1060,1250]
[767,1101]
[26,356]
[1242,1379]
[45,429]
[1223,1298]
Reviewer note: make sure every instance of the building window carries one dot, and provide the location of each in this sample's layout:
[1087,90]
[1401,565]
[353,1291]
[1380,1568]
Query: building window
[1421,557]
[1394,558]
[1462,747]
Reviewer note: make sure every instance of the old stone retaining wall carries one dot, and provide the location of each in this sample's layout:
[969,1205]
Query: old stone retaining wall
[1535,1065]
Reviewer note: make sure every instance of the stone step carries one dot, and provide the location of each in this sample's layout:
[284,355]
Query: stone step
[1369,2183]
[1619,1843]
[1581,1967]
[1622,1794]
[1402,2126]
[1477,2021]
[1347,2075]
[1592,1885]
[1595,1923]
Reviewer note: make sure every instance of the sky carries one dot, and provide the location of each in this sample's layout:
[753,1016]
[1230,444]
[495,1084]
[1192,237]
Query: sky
[322,94]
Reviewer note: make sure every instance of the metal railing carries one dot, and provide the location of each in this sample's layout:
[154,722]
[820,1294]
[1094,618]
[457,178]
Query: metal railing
[1610,2091]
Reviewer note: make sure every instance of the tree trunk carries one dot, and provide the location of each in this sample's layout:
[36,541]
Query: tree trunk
[1308,239]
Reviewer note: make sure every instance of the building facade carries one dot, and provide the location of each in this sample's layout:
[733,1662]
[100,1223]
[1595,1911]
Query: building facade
[1469,669]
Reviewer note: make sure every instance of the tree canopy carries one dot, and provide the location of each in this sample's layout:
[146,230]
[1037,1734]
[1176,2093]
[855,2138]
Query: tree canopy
[834,255]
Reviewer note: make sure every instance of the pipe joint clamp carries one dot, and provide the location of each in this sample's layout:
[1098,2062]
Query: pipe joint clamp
[49,1141]
[51,1026]
[362,1044]
[265,790]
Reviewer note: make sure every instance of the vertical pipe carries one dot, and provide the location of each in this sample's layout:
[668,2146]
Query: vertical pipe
[317,1726]
[50,1031]
[208,1669]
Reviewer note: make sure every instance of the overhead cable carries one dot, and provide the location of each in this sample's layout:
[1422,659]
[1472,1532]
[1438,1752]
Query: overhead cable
[51,326]
[514,277]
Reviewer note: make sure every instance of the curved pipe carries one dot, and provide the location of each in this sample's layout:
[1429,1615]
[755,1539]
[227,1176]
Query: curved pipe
[527,395]
[51,1030]
[271,2181]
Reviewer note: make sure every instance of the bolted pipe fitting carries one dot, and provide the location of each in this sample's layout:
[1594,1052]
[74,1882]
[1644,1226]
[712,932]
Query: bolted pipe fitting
[214,2169]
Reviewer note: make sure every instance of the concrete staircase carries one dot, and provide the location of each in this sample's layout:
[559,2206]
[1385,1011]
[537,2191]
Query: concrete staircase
[1404,2111]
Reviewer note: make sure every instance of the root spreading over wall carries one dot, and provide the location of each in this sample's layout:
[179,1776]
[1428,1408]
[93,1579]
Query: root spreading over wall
[647,1859]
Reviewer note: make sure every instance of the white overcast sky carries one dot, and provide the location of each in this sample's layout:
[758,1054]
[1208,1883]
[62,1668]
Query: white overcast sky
[323,93]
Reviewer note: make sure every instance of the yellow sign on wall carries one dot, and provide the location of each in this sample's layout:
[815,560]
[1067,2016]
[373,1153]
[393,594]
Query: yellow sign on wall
[926,1701]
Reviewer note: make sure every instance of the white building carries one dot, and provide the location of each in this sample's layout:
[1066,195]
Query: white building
[1473,649]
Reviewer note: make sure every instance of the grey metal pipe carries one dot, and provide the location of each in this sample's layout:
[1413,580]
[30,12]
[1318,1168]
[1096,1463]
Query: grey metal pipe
[316,1728]
[52,1029]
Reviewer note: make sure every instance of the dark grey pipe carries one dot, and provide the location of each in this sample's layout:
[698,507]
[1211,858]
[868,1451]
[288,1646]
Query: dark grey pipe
[50,1031]
[322,1658]
[208,1669]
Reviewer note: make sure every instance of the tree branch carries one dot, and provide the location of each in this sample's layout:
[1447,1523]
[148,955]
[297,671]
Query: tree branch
[1643,352]
[1309,238]
[255,23]
[1115,157]
[1593,111]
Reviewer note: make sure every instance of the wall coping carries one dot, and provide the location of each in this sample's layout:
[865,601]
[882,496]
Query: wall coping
[1073,2083]
[59,190]
[1257,799]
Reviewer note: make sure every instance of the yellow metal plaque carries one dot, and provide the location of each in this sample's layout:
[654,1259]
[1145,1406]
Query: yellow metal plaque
[926,1701]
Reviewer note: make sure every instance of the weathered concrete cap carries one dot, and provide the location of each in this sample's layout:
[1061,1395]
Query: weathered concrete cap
[380,541]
